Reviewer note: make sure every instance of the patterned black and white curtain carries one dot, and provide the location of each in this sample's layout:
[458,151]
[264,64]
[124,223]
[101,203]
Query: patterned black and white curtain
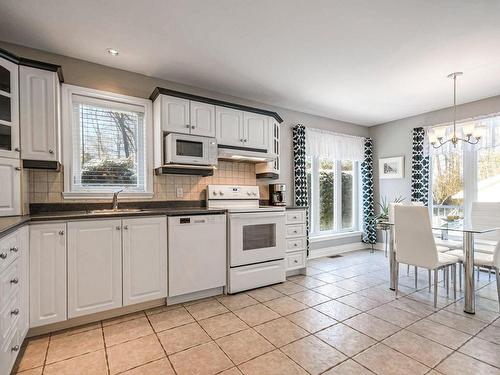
[299,165]
[419,168]
[369,230]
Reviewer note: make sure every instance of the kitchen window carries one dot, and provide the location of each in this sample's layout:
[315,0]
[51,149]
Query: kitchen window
[466,173]
[107,143]
[333,190]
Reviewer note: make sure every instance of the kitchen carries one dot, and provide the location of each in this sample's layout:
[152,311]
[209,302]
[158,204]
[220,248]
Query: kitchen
[76,262]
[210,188]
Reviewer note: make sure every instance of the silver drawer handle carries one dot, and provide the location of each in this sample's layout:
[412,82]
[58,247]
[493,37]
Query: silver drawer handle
[17,149]
[296,261]
[15,348]
[15,280]
[295,231]
[125,227]
[118,227]
[295,217]
[17,168]
[192,126]
[3,255]
[14,312]
[295,244]
[51,151]
[61,232]
[14,249]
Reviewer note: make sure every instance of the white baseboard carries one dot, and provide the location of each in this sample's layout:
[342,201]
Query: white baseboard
[194,296]
[335,250]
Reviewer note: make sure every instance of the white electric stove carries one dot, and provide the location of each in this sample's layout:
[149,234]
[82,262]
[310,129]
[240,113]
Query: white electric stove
[256,237]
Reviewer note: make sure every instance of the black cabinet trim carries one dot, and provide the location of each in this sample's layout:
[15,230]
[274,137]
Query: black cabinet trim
[178,94]
[41,164]
[32,63]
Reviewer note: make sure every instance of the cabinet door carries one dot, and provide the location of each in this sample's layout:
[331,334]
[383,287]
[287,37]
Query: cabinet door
[47,274]
[10,188]
[94,266]
[9,109]
[256,131]
[24,249]
[229,126]
[144,259]
[39,118]
[175,114]
[202,119]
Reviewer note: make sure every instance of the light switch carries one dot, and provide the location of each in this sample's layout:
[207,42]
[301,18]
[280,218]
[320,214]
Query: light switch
[179,192]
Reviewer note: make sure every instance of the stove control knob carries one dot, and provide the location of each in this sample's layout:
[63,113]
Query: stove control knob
[221,192]
[254,193]
[248,193]
[214,192]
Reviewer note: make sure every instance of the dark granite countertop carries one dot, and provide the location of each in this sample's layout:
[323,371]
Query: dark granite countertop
[8,224]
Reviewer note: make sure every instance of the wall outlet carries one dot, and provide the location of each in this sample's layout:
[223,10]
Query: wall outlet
[179,192]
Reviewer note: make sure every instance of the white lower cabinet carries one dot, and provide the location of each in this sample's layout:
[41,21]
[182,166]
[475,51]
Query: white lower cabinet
[24,259]
[47,273]
[144,259]
[94,266]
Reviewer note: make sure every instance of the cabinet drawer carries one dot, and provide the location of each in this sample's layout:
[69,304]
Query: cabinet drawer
[9,317]
[295,244]
[295,216]
[295,260]
[9,282]
[9,249]
[295,230]
[9,351]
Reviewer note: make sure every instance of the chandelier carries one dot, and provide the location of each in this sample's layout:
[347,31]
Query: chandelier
[471,134]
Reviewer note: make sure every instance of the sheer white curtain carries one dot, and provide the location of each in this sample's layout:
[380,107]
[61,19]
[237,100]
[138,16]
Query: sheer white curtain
[333,146]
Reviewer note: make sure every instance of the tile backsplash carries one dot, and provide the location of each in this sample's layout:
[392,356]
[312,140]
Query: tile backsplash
[47,186]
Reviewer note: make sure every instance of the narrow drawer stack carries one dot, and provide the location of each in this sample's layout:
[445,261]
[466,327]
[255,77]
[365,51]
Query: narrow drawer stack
[13,304]
[296,238]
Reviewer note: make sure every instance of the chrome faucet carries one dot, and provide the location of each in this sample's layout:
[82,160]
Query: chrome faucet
[115,199]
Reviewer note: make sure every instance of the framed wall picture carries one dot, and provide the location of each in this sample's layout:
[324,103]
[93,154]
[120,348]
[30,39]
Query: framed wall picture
[393,167]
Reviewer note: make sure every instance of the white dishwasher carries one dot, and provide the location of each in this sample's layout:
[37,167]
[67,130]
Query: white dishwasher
[196,253]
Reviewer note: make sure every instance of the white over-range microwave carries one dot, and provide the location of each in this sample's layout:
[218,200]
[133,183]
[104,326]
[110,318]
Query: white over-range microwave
[190,149]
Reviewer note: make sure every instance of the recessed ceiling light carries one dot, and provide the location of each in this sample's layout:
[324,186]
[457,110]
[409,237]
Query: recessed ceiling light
[112,51]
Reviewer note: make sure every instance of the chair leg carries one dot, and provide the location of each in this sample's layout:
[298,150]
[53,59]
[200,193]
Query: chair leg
[478,269]
[454,275]
[447,279]
[497,274]
[397,279]
[429,273]
[416,277]
[408,270]
[460,276]
[435,287]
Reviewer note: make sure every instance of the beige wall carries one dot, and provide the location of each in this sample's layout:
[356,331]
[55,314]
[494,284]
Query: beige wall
[83,73]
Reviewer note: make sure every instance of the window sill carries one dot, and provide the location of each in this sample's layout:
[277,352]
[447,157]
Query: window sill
[333,236]
[104,196]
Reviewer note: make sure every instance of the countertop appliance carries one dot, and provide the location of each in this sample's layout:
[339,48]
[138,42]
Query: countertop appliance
[256,237]
[196,253]
[277,194]
[190,150]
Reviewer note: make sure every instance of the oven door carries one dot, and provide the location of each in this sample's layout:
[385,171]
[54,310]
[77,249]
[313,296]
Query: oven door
[256,237]
[186,149]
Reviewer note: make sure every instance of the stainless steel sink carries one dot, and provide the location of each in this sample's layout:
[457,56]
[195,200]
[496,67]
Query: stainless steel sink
[117,211]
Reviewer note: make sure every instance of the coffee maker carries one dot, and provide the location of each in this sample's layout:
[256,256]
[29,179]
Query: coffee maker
[277,194]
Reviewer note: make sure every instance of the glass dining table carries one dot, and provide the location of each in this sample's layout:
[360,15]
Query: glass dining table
[467,232]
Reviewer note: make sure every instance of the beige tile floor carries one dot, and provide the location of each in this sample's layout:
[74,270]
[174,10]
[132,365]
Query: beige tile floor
[340,319]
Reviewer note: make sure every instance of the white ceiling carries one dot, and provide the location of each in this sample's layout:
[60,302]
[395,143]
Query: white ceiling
[361,61]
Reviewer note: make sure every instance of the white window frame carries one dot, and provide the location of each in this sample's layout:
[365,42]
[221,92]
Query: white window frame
[337,230]
[67,93]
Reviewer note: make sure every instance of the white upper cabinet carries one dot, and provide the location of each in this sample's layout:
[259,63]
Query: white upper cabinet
[9,109]
[94,266]
[39,93]
[229,127]
[175,114]
[202,119]
[47,273]
[256,131]
[144,259]
[10,187]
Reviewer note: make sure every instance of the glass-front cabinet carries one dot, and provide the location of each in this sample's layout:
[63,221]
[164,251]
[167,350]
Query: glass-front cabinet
[9,109]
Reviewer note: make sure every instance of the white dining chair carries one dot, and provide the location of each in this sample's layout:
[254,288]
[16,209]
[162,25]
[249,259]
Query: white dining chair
[416,245]
[489,261]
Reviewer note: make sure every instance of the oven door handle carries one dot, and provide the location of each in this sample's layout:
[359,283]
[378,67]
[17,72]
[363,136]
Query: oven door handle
[260,215]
